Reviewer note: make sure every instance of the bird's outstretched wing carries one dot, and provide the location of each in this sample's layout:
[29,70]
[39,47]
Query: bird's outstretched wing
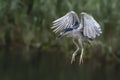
[91,28]
[66,21]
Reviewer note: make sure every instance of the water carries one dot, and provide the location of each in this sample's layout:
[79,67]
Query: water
[36,64]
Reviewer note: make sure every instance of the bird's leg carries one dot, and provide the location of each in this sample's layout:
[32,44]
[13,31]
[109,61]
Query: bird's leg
[82,51]
[81,56]
[75,53]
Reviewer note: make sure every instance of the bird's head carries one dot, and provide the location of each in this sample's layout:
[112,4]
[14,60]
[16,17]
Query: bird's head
[84,14]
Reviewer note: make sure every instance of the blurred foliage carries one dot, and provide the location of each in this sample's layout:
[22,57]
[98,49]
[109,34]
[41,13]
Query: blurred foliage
[25,29]
[27,23]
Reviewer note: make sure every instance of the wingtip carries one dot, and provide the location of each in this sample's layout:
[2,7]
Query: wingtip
[54,21]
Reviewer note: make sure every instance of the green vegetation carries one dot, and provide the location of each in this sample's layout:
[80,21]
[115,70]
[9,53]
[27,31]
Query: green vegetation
[29,49]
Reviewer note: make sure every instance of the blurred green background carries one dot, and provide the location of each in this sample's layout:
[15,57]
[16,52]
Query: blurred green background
[29,49]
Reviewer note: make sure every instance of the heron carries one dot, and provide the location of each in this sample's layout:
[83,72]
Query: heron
[85,28]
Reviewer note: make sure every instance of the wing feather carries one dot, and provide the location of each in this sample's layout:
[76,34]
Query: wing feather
[66,21]
[91,28]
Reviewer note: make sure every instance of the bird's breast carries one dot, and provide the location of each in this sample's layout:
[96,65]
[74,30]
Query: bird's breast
[74,34]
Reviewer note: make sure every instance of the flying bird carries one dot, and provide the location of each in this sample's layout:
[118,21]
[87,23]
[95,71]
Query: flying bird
[85,28]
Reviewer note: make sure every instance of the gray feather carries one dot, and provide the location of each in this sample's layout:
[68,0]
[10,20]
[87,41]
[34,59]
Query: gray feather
[66,21]
[90,27]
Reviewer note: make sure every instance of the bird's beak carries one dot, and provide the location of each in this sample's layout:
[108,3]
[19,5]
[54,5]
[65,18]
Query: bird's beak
[59,36]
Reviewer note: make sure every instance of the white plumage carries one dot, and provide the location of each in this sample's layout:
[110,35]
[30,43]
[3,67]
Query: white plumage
[84,29]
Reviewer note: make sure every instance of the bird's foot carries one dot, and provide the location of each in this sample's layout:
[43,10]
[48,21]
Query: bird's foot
[73,58]
[81,57]
[81,61]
